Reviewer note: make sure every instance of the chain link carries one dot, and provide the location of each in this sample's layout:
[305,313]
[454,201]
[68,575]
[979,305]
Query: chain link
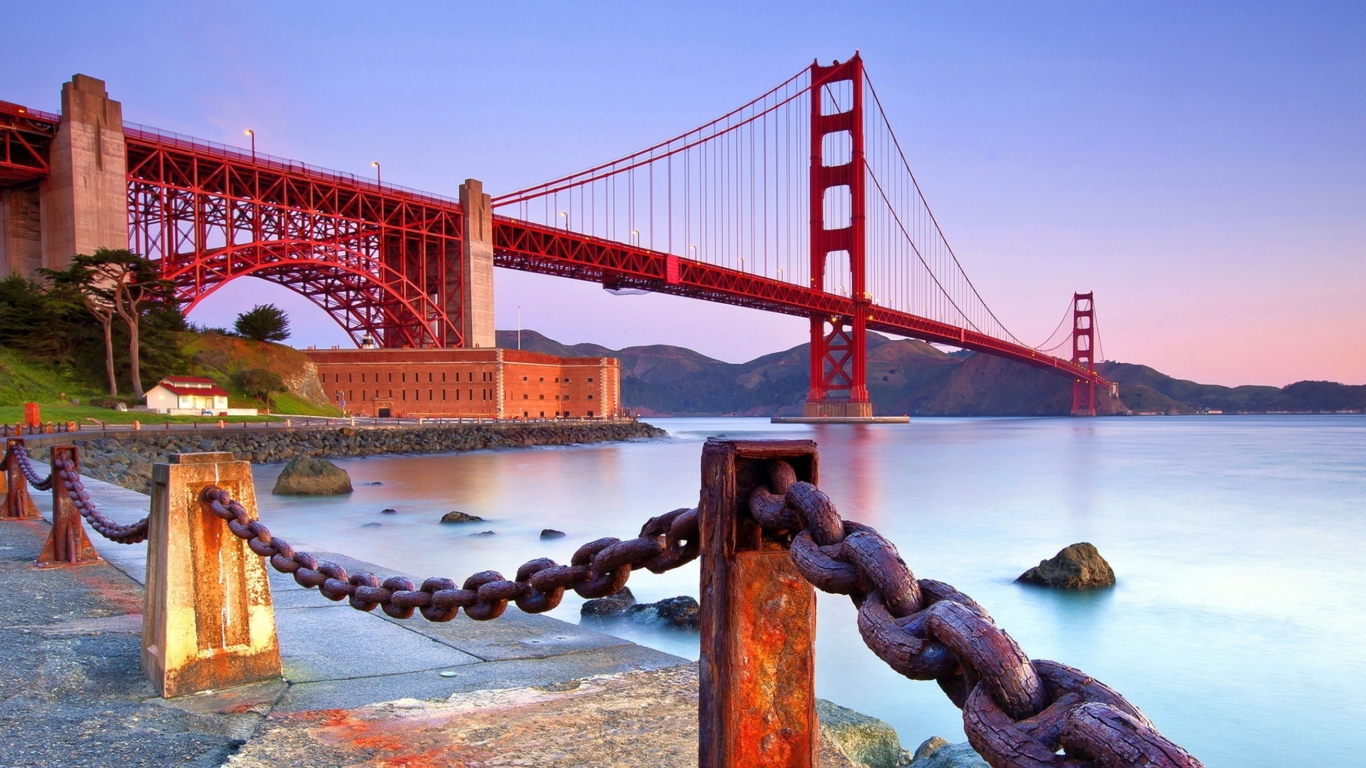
[597,569]
[1017,712]
[18,453]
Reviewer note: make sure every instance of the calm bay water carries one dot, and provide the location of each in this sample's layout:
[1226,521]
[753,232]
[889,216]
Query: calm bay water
[1238,624]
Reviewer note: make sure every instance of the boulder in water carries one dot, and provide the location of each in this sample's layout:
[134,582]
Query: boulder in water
[674,612]
[455,516]
[485,533]
[309,476]
[551,533]
[388,511]
[1078,566]
[610,607]
[937,752]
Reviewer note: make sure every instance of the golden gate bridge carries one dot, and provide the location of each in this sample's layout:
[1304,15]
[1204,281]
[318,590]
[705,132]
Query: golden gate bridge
[800,202]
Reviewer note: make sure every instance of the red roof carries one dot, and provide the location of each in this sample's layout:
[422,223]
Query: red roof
[191,391]
[187,380]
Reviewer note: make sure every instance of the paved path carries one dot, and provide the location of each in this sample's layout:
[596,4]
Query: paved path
[360,689]
[337,657]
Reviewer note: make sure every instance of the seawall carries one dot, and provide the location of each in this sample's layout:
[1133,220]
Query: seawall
[127,459]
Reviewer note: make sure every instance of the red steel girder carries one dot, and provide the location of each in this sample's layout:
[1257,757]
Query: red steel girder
[376,258]
[209,214]
[564,253]
[25,136]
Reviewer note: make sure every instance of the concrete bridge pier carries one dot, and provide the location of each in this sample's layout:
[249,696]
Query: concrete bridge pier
[83,203]
[472,296]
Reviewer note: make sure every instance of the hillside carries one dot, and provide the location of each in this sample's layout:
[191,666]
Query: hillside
[915,378]
[24,378]
[222,357]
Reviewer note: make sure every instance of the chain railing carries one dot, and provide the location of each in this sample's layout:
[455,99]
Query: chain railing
[599,568]
[1017,712]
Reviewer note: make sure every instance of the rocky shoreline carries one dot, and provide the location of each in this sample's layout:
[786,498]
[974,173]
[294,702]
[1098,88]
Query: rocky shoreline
[127,460]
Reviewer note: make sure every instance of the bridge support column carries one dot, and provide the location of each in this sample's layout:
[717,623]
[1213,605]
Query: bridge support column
[84,203]
[757,691]
[839,387]
[474,293]
[1083,337]
[21,231]
[207,619]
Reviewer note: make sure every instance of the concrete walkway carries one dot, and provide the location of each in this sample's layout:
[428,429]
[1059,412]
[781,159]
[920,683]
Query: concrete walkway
[336,657]
[359,689]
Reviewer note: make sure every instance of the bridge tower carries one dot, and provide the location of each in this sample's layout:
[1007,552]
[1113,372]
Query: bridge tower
[77,198]
[838,344]
[1083,336]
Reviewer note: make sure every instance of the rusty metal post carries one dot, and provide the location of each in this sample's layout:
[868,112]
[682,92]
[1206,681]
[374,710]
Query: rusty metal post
[207,619]
[66,543]
[18,505]
[758,622]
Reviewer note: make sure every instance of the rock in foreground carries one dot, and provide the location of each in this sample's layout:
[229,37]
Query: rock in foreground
[675,612]
[863,739]
[936,752]
[610,607]
[455,516]
[309,476]
[1078,566]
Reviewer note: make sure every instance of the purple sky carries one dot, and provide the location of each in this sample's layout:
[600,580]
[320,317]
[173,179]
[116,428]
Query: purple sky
[1202,169]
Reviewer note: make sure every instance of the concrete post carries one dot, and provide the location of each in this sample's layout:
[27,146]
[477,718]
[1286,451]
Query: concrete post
[85,200]
[475,294]
[21,231]
[18,505]
[66,543]
[207,618]
[757,692]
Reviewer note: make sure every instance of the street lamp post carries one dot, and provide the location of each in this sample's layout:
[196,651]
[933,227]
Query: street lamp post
[378,178]
[252,134]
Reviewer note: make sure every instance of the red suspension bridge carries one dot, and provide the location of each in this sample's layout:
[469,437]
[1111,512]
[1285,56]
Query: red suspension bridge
[800,202]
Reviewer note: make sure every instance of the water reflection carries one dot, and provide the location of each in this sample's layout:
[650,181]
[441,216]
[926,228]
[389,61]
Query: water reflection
[1233,539]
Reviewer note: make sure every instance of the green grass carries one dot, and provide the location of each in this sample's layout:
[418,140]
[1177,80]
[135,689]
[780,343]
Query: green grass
[288,402]
[86,414]
[22,381]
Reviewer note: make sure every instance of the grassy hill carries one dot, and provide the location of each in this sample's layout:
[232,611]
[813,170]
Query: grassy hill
[222,357]
[65,395]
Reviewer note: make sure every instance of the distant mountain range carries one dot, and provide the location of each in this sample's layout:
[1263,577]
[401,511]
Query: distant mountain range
[915,378]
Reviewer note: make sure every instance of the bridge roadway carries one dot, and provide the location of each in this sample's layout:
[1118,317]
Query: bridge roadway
[345,205]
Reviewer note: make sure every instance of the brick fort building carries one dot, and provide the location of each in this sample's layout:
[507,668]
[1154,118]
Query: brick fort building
[486,383]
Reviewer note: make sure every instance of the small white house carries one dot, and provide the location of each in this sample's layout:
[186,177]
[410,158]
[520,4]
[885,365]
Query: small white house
[187,396]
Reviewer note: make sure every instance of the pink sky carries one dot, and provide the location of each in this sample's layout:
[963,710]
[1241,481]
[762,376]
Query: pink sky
[1202,170]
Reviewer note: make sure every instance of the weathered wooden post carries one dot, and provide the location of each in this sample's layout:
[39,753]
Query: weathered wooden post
[66,543]
[207,619]
[18,505]
[758,621]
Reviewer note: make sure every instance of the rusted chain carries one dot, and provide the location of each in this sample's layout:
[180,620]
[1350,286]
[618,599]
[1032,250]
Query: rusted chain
[1017,712]
[80,499]
[20,454]
[599,568]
